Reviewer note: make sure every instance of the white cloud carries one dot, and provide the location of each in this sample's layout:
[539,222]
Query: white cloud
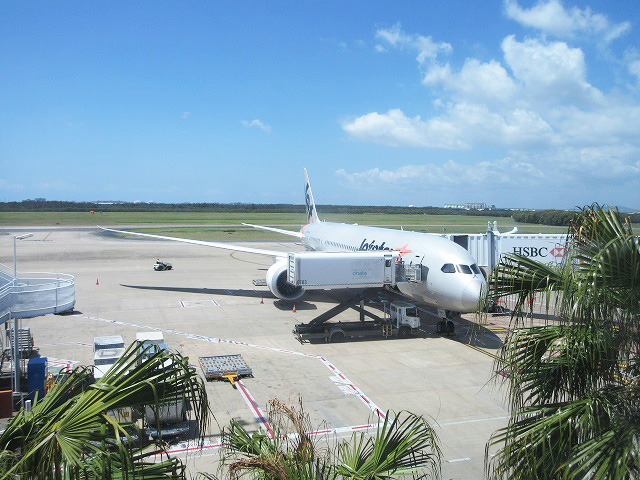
[427,49]
[549,70]
[257,124]
[546,125]
[553,18]
[395,129]
[476,80]
[634,69]
[461,127]
[185,115]
[539,97]
[547,179]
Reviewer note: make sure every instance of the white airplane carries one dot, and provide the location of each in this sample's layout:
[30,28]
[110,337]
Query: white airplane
[450,278]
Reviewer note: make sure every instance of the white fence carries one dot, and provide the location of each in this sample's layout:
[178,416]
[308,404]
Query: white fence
[34,293]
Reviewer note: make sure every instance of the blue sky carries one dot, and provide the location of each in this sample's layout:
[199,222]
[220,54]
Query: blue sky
[514,103]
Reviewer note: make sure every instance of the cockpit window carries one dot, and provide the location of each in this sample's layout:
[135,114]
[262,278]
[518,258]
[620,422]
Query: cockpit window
[465,269]
[476,269]
[448,268]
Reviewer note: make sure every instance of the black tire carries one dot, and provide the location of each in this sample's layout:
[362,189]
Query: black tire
[441,326]
[336,336]
[170,267]
[404,332]
[451,327]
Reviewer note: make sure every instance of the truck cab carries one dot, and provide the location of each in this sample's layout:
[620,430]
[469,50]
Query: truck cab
[404,317]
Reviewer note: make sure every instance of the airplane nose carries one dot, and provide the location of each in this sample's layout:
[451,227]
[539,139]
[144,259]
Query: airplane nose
[471,296]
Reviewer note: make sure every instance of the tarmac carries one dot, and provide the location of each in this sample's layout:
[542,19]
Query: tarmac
[208,305]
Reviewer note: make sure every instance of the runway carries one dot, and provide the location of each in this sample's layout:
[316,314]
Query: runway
[208,305]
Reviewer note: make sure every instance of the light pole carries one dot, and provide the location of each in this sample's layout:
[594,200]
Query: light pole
[17,237]
[16,350]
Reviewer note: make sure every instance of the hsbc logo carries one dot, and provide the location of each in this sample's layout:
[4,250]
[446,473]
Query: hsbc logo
[539,252]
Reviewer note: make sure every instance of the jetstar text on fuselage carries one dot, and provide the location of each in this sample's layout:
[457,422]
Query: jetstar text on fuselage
[373,246]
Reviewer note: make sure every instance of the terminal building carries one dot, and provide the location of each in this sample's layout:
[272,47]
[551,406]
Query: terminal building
[470,206]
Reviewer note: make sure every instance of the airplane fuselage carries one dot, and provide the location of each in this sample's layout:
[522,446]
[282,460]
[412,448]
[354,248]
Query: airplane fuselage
[451,280]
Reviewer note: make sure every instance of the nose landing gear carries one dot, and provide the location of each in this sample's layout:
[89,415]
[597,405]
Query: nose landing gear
[445,325]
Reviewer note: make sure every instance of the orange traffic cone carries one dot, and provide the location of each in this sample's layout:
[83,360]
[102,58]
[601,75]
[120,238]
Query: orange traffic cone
[294,308]
[97,282]
[261,300]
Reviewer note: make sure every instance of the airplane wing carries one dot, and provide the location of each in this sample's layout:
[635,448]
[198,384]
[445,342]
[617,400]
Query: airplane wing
[277,230]
[225,246]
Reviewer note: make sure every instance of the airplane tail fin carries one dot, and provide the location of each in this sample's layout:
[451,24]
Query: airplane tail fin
[312,214]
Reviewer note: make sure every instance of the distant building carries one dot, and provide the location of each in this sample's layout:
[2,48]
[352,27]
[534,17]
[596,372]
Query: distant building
[471,206]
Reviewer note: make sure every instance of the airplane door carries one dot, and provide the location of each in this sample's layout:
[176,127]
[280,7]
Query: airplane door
[389,265]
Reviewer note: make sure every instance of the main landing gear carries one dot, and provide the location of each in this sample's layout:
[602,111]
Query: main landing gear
[446,325]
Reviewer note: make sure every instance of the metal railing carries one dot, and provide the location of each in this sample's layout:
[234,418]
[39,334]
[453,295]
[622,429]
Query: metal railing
[35,293]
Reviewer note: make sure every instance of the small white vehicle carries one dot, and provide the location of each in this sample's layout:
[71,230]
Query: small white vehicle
[160,266]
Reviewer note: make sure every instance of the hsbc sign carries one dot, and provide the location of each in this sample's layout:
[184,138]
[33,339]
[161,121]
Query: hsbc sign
[536,252]
[542,248]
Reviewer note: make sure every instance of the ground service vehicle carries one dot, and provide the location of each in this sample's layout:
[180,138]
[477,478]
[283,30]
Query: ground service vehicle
[165,420]
[160,266]
[400,320]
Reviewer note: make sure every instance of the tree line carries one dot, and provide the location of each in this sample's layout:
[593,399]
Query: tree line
[542,217]
[63,206]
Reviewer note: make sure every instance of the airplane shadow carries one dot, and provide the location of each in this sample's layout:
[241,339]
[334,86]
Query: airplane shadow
[240,292]
[467,332]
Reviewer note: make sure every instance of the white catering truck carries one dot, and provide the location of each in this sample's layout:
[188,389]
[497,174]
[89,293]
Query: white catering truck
[169,416]
[106,351]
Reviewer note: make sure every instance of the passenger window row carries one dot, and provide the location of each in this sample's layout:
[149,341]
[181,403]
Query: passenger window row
[341,245]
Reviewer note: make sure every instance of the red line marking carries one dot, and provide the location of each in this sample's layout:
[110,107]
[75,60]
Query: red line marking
[365,399]
[359,427]
[256,409]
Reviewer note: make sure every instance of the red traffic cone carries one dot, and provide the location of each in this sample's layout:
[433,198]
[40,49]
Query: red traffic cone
[294,308]
[97,282]
[261,300]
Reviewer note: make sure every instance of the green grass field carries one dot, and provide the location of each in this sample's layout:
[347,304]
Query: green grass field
[228,226]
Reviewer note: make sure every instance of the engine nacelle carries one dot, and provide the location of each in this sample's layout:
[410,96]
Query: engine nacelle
[277,282]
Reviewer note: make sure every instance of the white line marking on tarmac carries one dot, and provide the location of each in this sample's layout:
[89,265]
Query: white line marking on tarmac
[185,448]
[475,420]
[464,459]
[356,391]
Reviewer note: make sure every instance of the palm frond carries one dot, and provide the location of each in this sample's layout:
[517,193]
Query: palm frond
[69,426]
[404,443]
[573,382]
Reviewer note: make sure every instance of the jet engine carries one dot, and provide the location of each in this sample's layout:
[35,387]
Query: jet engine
[277,282]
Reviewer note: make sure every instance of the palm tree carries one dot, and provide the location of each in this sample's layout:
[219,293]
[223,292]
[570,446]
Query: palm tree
[404,444]
[573,383]
[70,432]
